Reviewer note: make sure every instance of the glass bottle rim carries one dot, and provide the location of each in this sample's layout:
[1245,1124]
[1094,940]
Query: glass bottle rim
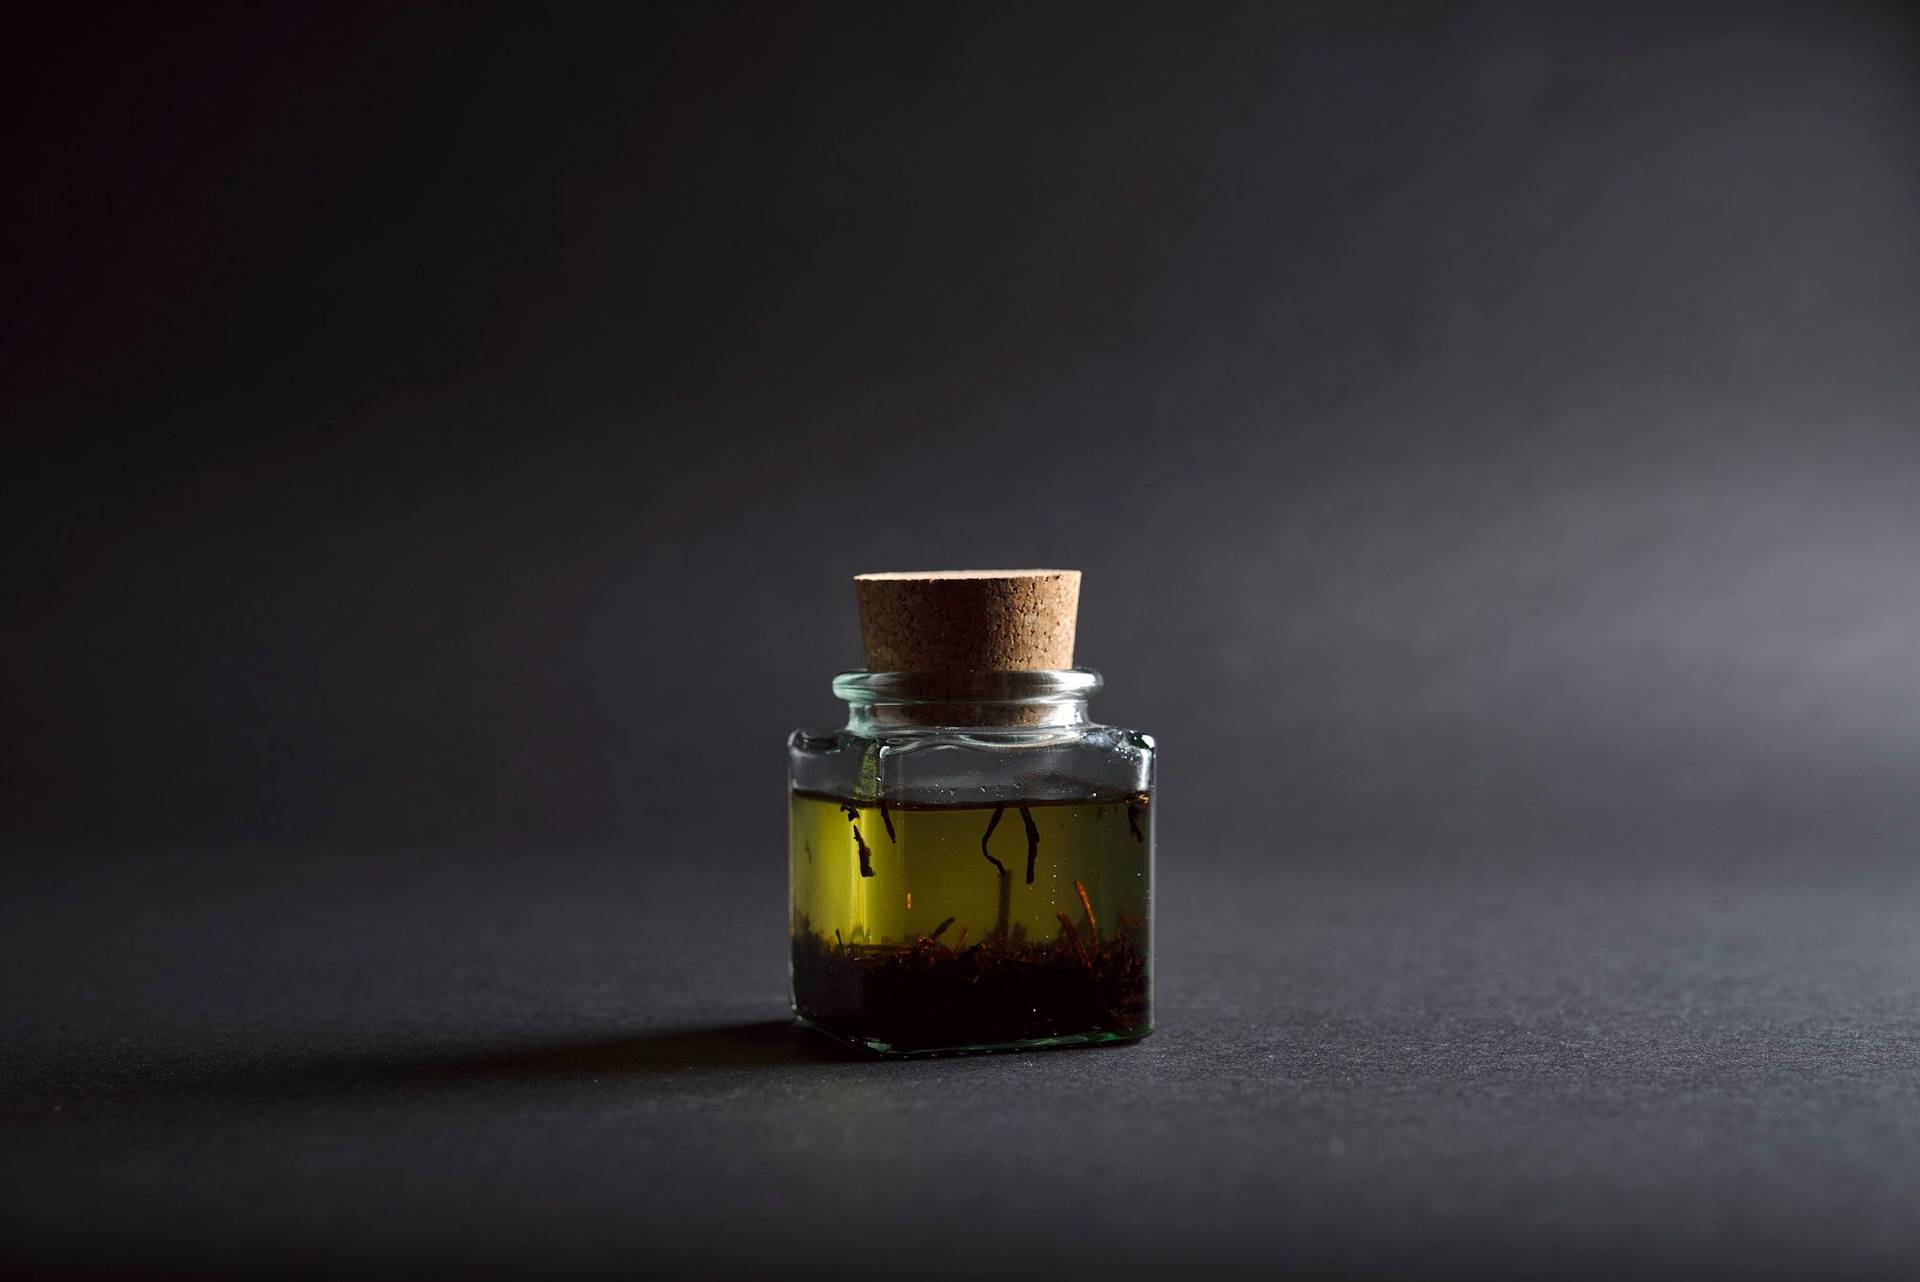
[1039,686]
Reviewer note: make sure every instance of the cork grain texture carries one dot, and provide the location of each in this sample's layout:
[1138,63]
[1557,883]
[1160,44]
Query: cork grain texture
[968,620]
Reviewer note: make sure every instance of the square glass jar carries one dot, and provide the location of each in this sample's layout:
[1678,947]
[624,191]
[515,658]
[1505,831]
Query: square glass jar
[971,866]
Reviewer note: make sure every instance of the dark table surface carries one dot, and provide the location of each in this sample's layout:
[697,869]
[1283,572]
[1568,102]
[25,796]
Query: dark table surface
[566,1064]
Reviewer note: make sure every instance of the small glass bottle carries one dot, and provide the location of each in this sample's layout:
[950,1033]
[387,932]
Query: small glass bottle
[971,858]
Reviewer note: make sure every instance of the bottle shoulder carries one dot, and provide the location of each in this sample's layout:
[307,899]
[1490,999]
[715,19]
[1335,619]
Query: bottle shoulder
[1086,736]
[944,764]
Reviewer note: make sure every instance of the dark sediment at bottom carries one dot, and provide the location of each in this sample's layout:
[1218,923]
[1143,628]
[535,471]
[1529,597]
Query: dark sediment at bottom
[926,996]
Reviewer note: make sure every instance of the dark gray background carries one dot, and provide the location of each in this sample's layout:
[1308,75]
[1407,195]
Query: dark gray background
[441,442]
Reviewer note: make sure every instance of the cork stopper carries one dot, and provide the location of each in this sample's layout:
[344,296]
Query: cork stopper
[954,621]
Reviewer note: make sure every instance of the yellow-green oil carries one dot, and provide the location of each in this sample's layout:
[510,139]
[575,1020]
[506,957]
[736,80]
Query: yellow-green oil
[922,927]
[928,865]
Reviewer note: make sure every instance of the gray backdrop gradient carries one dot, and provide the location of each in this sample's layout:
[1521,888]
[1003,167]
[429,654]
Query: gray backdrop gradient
[443,437]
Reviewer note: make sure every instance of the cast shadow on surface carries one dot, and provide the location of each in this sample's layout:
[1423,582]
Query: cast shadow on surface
[764,1046]
[679,1054]
[664,1060]
[659,1058]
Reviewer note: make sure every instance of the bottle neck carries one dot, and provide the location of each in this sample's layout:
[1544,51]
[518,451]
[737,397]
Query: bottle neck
[896,702]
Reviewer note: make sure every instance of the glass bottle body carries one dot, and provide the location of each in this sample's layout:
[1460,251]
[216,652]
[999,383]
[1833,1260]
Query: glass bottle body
[973,869]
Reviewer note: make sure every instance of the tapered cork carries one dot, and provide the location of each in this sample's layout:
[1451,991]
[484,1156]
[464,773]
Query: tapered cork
[956,621]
